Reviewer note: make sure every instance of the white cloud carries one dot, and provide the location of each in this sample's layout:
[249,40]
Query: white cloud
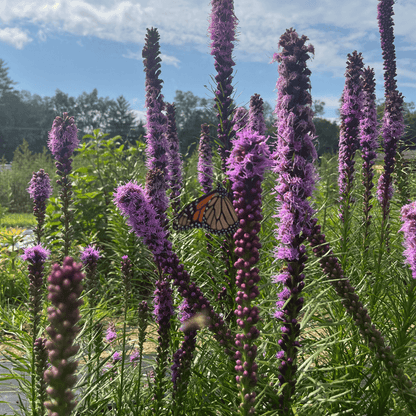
[166,59]
[330,101]
[169,60]
[15,37]
[335,28]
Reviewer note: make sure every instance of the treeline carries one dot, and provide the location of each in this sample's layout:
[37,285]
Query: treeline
[30,117]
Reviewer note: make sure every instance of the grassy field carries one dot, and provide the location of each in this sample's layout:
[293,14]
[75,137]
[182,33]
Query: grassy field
[17,221]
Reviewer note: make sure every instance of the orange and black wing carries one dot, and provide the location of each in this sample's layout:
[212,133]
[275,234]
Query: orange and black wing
[213,211]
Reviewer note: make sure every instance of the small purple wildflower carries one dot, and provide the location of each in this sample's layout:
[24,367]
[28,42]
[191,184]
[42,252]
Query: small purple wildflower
[36,257]
[64,291]
[135,357]
[205,171]
[90,256]
[40,186]
[117,357]
[409,229]
[111,333]
[39,190]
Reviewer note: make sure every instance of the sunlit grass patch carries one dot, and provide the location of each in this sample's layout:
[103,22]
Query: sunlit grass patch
[17,220]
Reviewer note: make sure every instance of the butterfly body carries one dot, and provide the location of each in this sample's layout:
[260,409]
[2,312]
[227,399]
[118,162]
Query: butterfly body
[213,211]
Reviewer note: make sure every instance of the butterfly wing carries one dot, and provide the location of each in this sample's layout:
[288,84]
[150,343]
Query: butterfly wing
[213,211]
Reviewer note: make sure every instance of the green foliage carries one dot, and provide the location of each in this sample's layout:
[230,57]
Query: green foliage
[18,220]
[13,192]
[328,136]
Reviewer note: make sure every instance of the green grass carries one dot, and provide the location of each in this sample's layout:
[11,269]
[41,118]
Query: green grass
[18,220]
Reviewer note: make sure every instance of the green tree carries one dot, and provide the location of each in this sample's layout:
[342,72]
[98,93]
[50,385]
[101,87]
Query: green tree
[191,112]
[121,122]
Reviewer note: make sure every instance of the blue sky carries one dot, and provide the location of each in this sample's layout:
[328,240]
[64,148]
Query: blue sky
[80,45]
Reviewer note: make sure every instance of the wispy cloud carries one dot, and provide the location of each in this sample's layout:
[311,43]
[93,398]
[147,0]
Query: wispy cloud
[335,28]
[15,37]
[166,59]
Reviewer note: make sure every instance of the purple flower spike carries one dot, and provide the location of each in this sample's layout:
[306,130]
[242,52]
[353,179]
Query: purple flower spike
[182,358]
[249,159]
[393,124]
[90,255]
[127,270]
[256,118]
[174,158]
[134,204]
[156,126]
[135,357]
[409,229]
[36,257]
[222,28]
[41,365]
[240,119]
[63,141]
[39,190]
[205,171]
[64,291]
[352,101]
[293,158]
[89,258]
[111,334]
[368,142]
[40,186]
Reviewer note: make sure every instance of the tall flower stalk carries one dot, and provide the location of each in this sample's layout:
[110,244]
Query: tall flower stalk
[182,359]
[174,159]
[293,160]
[89,258]
[36,257]
[256,117]
[354,307]
[393,124]
[39,190]
[62,142]
[222,29]
[368,142]
[349,140]
[408,213]
[156,125]
[141,216]
[205,170]
[64,292]
[127,271]
[41,360]
[143,313]
[240,119]
[249,159]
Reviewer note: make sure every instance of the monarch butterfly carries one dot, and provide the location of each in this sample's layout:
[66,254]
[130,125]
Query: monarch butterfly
[213,211]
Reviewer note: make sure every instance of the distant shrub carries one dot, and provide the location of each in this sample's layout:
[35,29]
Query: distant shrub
[13,193]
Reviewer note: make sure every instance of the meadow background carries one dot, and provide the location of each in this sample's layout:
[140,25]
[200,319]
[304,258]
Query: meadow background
[338,369]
